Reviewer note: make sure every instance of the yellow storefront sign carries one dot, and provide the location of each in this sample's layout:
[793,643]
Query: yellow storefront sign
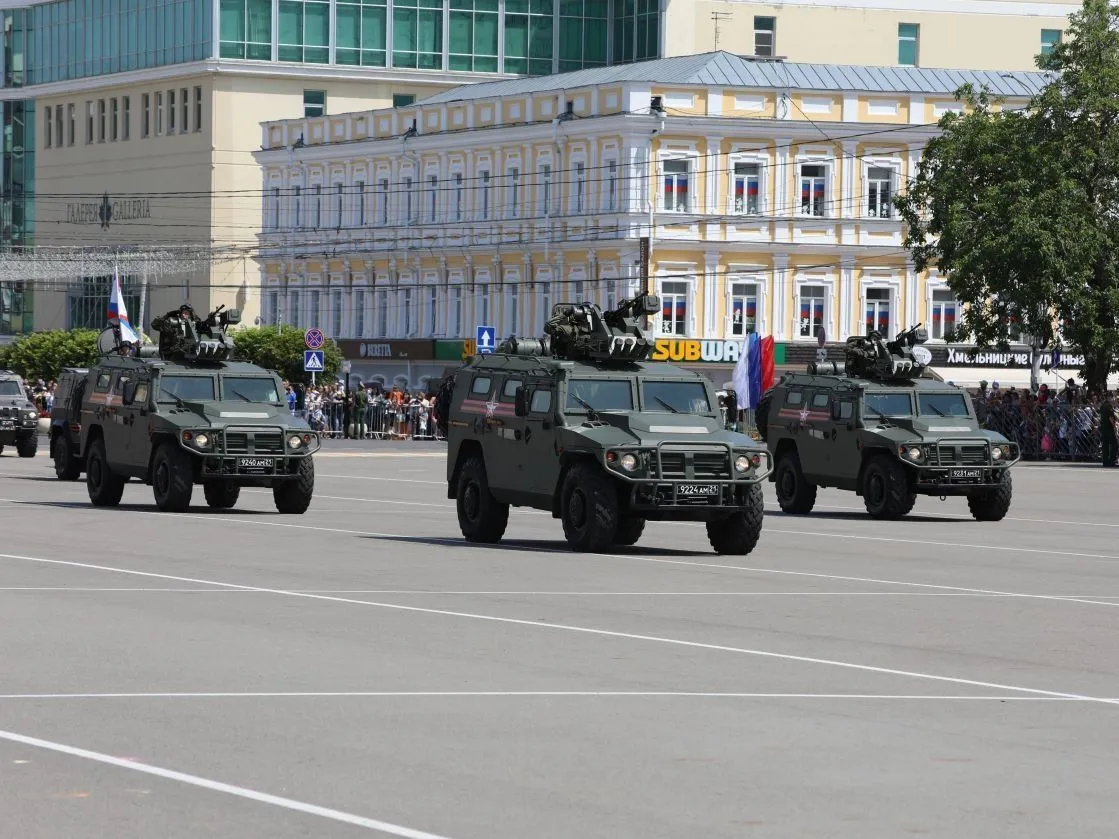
[469,348]
[689,349]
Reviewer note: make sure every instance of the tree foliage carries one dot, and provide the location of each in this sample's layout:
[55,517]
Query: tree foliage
[1020,209]
[42,355]
[282,351]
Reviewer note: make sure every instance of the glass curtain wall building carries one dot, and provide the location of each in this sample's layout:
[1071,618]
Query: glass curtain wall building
[17,174]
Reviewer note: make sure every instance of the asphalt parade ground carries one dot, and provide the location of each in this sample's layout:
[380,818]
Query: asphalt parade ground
[361,671]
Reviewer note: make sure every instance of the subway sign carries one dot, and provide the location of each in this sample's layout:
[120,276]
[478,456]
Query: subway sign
[689,349]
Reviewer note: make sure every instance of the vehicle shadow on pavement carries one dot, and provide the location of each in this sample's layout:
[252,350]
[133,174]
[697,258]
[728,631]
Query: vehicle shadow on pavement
[149,508]
[556,546]
[854,516]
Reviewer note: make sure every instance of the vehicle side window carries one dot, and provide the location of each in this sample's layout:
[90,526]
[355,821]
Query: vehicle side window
[481,385]
[509,392]
[541,402]
[141,396]
[846,410]
[820,400]
[103,382]
[794,397]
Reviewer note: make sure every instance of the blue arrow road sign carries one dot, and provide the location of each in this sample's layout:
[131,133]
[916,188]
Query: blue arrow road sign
[313,361]
[484,339]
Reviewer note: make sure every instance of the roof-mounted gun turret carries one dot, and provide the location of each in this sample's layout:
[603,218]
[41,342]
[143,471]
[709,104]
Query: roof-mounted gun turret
[902,359]
[584,332]
[184,336]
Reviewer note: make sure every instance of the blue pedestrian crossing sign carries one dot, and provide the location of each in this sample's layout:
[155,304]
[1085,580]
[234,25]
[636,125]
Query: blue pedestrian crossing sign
[314,361]
[484,339]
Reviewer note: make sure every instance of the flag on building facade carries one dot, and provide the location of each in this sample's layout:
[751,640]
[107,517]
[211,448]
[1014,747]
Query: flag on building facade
[118,313]
[754,373]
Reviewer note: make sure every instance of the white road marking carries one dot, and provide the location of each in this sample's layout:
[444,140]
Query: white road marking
[593,694]
[585,630]
[381,478]
[219,786]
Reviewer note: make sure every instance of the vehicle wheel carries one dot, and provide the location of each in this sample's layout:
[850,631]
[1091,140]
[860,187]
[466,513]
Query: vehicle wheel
[105,488]
[739,532]
[66,466]
[630,529]
[886,492]
[992,504]
[27,446]
[795,493]
[481,517]
[293,496]
[172,478]
[1,449]
[589,508]
[221,495]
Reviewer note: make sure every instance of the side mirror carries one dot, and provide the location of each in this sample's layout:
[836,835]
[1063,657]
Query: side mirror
[129,393]
[520,407]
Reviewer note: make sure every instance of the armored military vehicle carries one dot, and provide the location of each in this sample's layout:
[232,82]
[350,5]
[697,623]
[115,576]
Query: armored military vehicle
[581,424]
[882,430]
[188,413]
[66,423]
[19,417]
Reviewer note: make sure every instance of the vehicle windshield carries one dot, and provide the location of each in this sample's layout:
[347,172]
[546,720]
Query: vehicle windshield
[599,394]
[675,397]
[942,404]
[188,388]
[249,388]
[888,404]
[10,389]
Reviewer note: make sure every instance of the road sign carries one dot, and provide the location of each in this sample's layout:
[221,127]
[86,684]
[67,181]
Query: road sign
[314,338]
[346,366]
[485,339]
[314,361]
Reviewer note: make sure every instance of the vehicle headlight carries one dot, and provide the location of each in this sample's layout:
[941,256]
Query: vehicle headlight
[741,463]
[911,452]
[32,414]
[629,462]
[997,453]
[202,440]
[295,441]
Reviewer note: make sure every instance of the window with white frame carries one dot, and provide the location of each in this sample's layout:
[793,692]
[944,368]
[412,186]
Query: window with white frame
[483,293]
[513,302]
[878,311]
[272,308]
[677,198]
[611,294]
[747,186]
[942,319]
[274,208]
[545,189]
[383,201]
[611,186]
[381,312]
[485,196]
[674,308]
[579,189]
[359,313]
[454,313]
[432,196]
[813,189]
[458,196]
[294,315]
[335,313]
[297,206]
[765,32]
[408,208]
[812,302]
[513,190]
[314,314]
[339,204]
[317,206]
[544,301]
[879,191]
[359,203]
[577,292]
[432,309]
[743,308]
[407,312]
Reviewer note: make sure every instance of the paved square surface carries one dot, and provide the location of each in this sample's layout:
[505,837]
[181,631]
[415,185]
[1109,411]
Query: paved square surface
[360,670]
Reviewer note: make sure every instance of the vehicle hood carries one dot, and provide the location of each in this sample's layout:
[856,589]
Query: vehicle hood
[628,429]
[15,402]
[232,412]
[931,429]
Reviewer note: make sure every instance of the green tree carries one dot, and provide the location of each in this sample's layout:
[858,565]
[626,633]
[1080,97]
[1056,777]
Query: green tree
[42,355]
[1018,208]
[283,352]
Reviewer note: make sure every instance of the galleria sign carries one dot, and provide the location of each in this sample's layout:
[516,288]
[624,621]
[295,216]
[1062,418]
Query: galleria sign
[108,211]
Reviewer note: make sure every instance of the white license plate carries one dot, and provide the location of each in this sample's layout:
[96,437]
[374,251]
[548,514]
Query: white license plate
[697,490]
[7,425]
[254,464]
[966,473]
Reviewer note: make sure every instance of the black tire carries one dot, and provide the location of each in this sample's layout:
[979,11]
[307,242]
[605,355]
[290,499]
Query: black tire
[27,446]
[66,466]
[992,504]
[1,449]
[172,478]
[886,492]
[221,495]
[481,517]
[589,508]
[630,529]
[738,534]
[104,487]
[795,493]
[293,496]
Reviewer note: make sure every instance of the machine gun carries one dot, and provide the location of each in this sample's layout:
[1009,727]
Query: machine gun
[184,336]
[873,357]
[583,331]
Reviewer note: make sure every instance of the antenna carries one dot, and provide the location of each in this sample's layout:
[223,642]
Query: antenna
[718,16]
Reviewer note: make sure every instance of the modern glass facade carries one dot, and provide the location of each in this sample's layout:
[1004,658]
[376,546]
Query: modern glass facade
[533,37]
[17,174]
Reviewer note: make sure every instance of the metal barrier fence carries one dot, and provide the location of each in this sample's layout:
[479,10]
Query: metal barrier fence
[1046,432]
[379,421]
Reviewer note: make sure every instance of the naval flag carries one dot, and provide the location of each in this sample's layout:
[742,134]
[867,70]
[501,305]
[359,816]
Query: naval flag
[118,313]
[754,372]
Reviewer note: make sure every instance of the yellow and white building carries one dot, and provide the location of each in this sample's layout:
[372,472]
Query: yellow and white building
[765,187]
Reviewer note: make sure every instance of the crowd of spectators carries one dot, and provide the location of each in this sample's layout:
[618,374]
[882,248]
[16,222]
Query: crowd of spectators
[42,394]
[365,411]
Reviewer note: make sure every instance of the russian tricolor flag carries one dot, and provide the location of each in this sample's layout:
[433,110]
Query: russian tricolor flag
[118,313]
[754,374]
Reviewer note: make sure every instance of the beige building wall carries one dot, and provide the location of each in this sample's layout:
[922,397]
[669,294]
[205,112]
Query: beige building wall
[956,34]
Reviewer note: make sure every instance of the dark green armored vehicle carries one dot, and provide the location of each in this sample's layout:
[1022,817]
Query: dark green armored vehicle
[189,414]
[882,431]
[580,424]
[19,418]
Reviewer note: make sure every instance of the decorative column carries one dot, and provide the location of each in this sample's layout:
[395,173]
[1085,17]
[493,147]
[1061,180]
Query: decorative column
[780,294]
[910,293]
[846,298]
[848,204]
[710,288]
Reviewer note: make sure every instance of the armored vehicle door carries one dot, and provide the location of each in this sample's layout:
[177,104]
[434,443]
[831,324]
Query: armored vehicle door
[845,453]
[817,433]
[480,410]
[105,406]
[504,446]
[136,415]
[538,403]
